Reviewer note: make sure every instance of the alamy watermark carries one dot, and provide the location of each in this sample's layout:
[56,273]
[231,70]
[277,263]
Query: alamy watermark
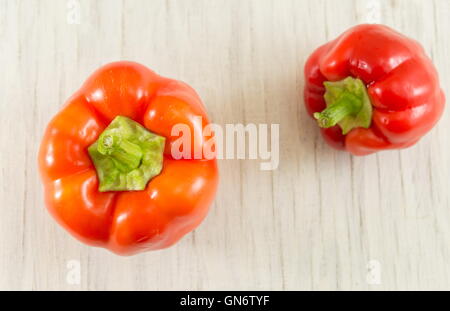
[73,276]
[373,276]
[234,141]
[73,16]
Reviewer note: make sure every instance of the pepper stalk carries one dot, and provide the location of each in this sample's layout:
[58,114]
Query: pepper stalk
[348,105]
[126,156]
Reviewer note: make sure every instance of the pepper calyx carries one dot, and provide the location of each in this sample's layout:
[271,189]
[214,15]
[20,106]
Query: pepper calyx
[348,105]
[126,156]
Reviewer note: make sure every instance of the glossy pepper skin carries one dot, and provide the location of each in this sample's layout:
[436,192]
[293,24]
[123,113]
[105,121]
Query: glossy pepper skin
[401,82]
[126,222]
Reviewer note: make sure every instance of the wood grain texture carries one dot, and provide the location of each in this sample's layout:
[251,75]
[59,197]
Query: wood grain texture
[313,224]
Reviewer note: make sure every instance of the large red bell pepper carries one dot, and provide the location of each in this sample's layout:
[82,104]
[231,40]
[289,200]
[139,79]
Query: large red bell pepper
[109,176]
[372,89]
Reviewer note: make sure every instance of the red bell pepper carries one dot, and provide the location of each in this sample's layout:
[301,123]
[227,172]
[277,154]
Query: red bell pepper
[372,89]
[105,160]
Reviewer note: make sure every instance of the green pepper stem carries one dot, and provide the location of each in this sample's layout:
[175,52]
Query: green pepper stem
[126,156]
[348,105]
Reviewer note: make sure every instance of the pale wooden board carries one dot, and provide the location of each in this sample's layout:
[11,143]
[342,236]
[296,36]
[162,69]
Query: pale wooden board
[314,223]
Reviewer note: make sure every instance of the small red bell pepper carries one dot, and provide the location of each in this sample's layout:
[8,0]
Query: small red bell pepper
[106,164]
[372,89]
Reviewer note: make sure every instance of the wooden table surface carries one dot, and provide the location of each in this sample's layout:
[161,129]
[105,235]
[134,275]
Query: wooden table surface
[324,220]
